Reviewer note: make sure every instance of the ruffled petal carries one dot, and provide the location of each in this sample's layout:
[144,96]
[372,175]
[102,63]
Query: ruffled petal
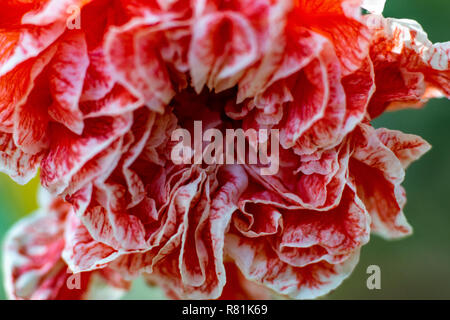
[309,237]
[69,152]
[409,69]
[223,45]
[34,268]
[258,262]
[67,74]
[137,63]
[20,45]
[20,166]
[378,174]
[341,22]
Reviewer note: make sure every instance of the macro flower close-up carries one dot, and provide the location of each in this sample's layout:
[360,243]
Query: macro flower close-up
[212,149]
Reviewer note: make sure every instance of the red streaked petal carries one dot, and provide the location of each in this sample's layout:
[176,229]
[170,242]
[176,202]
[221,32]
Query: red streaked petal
[34,268]
[67,73]
[340,21]
[81,252]
[308,105]
[407,147]
[332,236]
[21,167]
[239,288]
[219,61]
[258,262]
[378,174]
[69,152]
[137,64]
[19,45]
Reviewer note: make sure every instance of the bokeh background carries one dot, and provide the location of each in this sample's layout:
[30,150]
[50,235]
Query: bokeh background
[417,267]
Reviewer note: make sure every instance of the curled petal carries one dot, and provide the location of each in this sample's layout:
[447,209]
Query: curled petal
[334,236]
[67,74]
[52,10]
[341,22]
[137,63]
[22,44]
[374,6]
[258,262]
[409,69]
[34,268]
[21,167]
[81,252]
[218,61]
[378,174]
[407,147]
[69,152]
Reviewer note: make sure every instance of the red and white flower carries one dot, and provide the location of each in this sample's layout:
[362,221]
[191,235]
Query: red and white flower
[94,109]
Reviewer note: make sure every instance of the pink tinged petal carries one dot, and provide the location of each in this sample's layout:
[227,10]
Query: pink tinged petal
[239,288]
[67,74]
[69,152]
[155,150]
[333,236]
[102,211]
[409,68]
[142,129]
[310,94]
[127,231]
[324,190]
[223,46]
[309,182]
[22,44]
[194,251]
[32,251]
[118,101]
[258,262]
[384,197]
[409,35]
[81,252]
[33,265]
[29,116]
[154,71]
[395,88]
[233,181]
[327,132]
[341,22]
[99,79]
[137,65]
[16,85]
[95,218]
[384,200]
[51,11]
[31,119]
[257,219]
[20,166]
[302,47]
[276,51]
[374,6]
[279,88]
[407,147]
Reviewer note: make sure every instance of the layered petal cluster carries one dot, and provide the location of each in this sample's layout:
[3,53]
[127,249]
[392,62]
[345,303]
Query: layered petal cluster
[35,269]
[92,92]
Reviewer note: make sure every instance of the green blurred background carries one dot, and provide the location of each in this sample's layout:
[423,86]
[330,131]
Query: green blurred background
[417,267]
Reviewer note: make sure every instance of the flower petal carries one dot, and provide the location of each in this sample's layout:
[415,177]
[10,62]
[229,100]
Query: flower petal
[258,262]
[33,265]
[67,74]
